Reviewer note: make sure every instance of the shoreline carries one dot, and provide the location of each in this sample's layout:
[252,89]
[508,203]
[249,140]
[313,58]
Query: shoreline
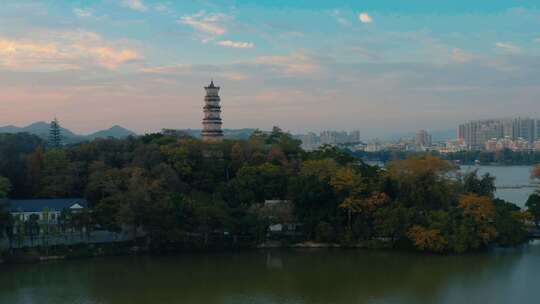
[33,258]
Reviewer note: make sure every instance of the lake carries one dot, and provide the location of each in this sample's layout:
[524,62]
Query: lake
[283,276]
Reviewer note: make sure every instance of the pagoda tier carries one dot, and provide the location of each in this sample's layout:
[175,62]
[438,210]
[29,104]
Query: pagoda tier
[212,115]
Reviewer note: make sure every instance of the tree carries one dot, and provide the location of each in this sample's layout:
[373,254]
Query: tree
[533,206]
[536,172]
[55,135]
[393,221]
[427,239]
[59,175]
[423,182]
[476,228]
[13,150]
[314,201]
[323,169]
[255,184]
[484,186]
[349,185]
[510,223]
[5,187]
[34,165]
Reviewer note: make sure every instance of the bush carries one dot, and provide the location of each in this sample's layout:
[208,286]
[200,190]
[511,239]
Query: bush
[324,232]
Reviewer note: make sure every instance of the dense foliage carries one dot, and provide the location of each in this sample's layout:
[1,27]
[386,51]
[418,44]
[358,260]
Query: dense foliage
[179,189]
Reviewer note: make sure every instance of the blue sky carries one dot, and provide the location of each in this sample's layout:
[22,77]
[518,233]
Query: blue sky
[378,66]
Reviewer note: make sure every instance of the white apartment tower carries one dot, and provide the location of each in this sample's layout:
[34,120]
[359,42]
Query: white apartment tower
[212,115]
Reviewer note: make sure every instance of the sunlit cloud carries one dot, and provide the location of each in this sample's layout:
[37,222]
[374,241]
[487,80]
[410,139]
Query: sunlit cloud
[221,72]
[168,69]
[136,5]
[109,57]
[458,55]
[508,47]
[234,76]
[62,51]
[294,64]
[207,24]
[365,18]
[236,44]
[82,13]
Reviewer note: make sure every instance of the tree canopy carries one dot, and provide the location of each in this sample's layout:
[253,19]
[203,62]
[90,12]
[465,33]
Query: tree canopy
[180,190]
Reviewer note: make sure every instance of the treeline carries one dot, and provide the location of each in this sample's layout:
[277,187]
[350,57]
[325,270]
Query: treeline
[503,157]
[175,189]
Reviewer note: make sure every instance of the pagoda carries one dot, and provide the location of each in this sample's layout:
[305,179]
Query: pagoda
[212,115]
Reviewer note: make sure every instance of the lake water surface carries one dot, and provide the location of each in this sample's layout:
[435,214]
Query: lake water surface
[283,276]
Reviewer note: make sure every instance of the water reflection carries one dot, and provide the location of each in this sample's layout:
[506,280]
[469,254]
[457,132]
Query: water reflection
[281,276]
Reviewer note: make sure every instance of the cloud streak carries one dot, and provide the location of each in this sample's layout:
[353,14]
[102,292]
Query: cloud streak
[236,44]
[508,47]
[136,5]
[83,13]
[209,25]
[294,64]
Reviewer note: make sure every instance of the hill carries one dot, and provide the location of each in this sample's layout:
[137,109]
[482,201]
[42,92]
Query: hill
[41,129]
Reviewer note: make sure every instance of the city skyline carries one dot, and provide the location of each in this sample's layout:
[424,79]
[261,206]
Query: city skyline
[375,66]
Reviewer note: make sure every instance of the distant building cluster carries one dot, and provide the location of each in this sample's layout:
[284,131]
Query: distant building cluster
[312,141]
[517,134]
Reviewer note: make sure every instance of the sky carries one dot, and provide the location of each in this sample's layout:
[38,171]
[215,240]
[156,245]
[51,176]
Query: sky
[379,66]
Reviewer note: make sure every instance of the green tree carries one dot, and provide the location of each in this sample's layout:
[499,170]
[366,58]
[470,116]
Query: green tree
[484,186]
[349,185]
[5,187]
[55,135]
[423,182]
[13,150]
[393,221]
[476,228]
[509,223]
[59,175]
[533,206]
[5,216]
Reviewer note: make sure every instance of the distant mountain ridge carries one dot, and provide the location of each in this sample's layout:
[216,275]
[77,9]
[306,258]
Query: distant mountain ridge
[41,129]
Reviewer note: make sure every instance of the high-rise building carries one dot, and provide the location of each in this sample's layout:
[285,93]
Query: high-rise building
[212,115]
[476,134]
[536,145]
[524,128]
[354,136]
[537,129]
[333,137]
[422,139]
[310,141]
